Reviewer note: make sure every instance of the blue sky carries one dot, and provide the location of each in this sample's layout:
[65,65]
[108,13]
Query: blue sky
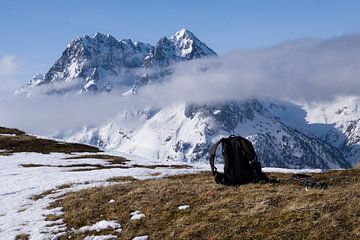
[34,33]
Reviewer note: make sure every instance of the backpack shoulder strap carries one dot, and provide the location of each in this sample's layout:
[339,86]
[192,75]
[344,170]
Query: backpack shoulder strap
[213,155]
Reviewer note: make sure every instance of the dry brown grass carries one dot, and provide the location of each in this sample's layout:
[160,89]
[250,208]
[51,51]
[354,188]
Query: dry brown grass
[116,162]
[15,131]
[109,158]
[49,192]
[78,167]
[64,186]
[357,165]
[53,217]
[22,142]
[281,210]
[184,166]
[122,179]
[22,236]
[42,195]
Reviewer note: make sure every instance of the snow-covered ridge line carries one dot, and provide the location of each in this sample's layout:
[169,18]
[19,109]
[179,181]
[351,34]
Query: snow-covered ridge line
[185,132]
[101,63]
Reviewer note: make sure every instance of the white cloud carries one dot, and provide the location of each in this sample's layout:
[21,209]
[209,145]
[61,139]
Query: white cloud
[8,65]
[305,70]
[301,70]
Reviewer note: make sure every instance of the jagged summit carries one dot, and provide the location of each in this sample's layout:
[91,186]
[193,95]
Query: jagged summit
[189,45]
[101,62]
[183,45]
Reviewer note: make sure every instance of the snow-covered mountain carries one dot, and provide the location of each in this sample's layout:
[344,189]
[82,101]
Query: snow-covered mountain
[284,134]
[340,121]
[186,132]
[183,45]
[102,63]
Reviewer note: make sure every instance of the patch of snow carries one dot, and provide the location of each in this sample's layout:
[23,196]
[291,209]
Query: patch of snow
[183,207]
[20,214]
[101,237]
[287,170]
[127,93]
[144,237]
[137,215]
[8,134]
[102,225]
[217,111]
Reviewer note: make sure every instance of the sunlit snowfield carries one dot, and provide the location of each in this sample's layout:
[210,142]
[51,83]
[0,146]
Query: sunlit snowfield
[23,176]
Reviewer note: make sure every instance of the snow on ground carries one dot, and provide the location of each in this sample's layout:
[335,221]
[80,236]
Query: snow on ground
[183,207]
[101,237]
[295,171]
[21,214]
[137,215]
[145,237]
[102,225]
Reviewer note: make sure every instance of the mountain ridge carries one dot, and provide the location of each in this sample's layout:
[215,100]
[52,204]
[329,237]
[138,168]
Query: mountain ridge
[280,131]
[102,63]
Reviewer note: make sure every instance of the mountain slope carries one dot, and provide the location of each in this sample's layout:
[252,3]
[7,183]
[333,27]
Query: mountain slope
[342,118]
[186,132]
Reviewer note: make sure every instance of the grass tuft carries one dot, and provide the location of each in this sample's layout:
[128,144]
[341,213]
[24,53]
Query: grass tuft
[22,236]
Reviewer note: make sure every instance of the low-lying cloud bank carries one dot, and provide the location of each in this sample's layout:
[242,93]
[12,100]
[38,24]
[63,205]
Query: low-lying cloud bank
[304,70]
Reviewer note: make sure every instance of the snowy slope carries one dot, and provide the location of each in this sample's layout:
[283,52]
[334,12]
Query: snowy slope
[19,213]
[186,132]
[338,123]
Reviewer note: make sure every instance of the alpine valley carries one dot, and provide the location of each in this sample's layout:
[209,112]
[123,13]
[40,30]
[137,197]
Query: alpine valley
[284,134]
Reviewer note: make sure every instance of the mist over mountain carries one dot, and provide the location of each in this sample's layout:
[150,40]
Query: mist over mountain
[173,100]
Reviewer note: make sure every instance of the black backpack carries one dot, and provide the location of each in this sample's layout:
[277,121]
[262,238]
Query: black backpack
[240,162]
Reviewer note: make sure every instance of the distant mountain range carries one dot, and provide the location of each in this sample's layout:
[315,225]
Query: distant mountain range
[284,134]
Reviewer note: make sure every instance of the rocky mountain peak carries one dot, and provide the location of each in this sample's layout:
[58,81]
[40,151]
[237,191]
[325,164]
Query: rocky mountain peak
[190,46]
[183,45]
[100,61]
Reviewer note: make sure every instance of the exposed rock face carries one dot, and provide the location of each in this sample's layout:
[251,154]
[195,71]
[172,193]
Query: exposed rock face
[102,63]
[186,133]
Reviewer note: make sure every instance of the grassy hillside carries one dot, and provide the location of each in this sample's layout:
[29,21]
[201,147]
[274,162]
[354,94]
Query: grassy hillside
[281,210]
[278,210]
[13,140]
